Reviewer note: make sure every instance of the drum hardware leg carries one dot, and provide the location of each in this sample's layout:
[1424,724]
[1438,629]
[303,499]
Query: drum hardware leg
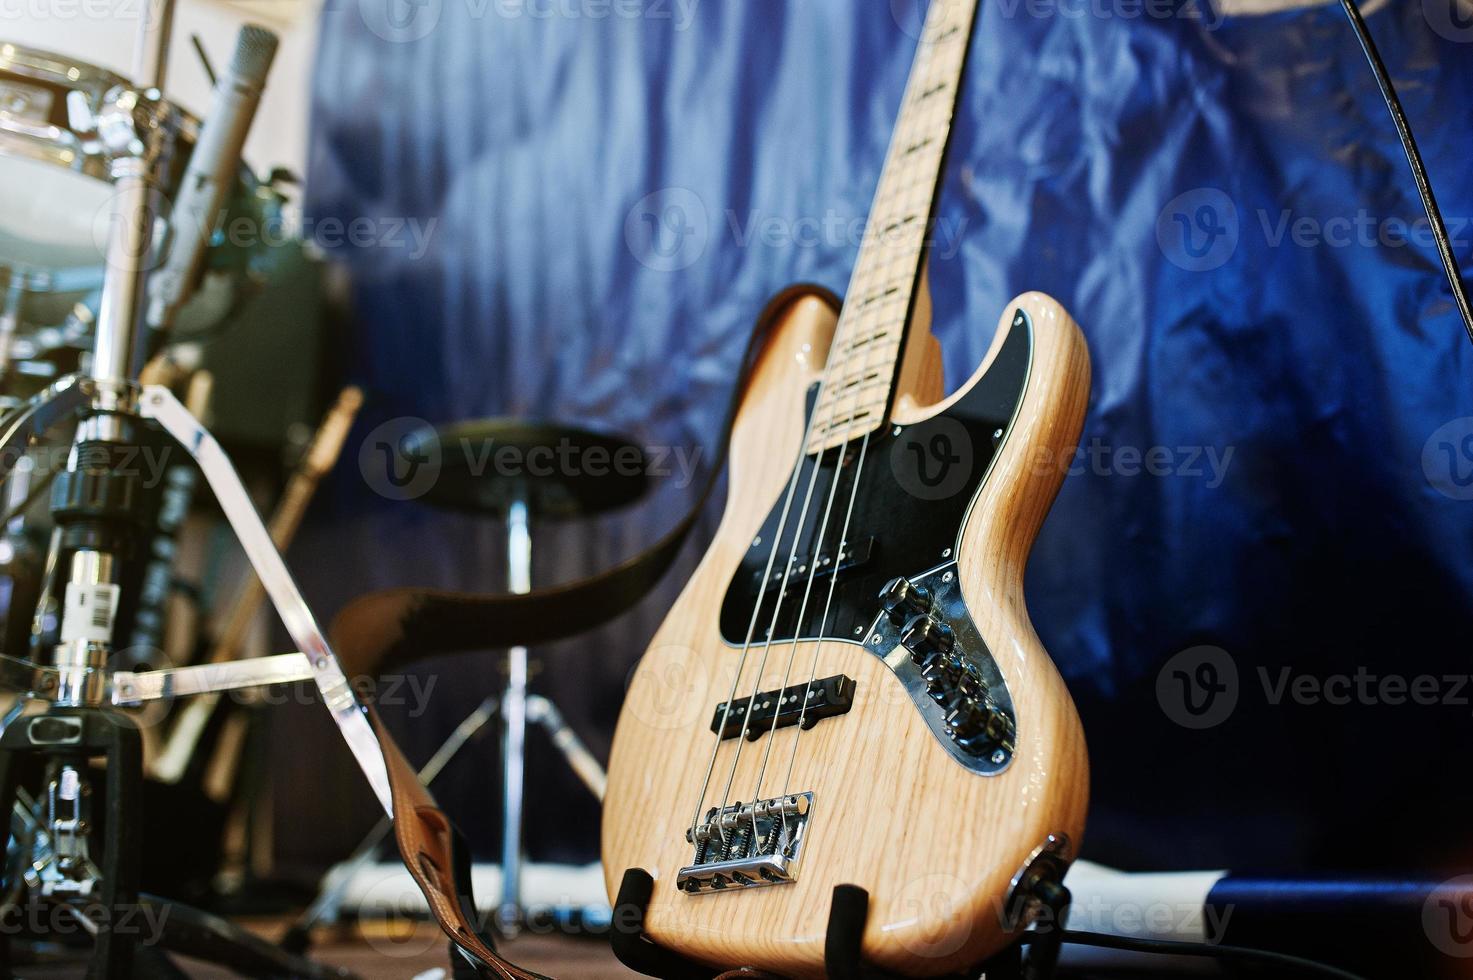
[151,45]
[514,728]
[327,907]
[518,707]
[93,505]
[79,682]
[541,711]
[190,932]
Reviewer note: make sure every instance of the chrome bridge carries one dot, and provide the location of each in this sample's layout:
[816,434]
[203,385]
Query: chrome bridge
[747,845]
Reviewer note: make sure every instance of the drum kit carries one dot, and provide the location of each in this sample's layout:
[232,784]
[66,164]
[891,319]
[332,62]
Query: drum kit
[114,257]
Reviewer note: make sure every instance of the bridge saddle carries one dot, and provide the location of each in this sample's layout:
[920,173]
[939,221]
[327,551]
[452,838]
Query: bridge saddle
[747,845]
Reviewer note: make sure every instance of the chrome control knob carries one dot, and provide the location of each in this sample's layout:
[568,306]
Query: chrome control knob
[979,727]
[941,674]
[903,600]
[927,638]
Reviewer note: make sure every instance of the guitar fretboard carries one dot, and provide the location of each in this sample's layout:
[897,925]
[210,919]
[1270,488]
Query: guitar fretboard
[866,345]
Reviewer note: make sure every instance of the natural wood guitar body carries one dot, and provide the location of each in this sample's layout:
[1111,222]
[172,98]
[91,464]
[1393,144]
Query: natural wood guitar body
[935,845]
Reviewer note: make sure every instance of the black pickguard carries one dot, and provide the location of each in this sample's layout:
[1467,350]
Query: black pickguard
[914,490]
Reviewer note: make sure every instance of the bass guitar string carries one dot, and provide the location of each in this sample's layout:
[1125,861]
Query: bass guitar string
[771,629]
[963,37]
[823,623]
[839,367]
[852,330]
[875,316]
[843,449]
[842,367]
[761,596]
[802,522]
[751,629]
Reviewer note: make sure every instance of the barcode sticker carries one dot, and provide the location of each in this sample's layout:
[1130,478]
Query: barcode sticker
[89,612]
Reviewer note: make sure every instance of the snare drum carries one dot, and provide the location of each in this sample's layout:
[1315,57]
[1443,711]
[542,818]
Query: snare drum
[55,202]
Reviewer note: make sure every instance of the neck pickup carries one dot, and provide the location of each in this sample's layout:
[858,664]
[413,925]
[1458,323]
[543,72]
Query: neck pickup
[851,555]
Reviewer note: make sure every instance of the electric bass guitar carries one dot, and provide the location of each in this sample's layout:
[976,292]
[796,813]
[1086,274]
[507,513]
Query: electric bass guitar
[849,691]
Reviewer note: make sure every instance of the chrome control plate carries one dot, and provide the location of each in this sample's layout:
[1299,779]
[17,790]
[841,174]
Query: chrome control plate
[883,641]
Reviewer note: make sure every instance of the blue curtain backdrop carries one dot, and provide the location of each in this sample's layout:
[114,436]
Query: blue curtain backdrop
[573,209]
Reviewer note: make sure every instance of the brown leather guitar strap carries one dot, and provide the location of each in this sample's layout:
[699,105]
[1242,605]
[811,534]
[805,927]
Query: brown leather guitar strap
[393,627]
[401,625]
[431,850]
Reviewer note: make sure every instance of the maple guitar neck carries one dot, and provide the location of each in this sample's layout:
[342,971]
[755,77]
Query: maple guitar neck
[856,390]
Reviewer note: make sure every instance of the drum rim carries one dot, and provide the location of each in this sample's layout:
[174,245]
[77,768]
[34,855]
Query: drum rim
[27,140]
[42,65]
[53,66]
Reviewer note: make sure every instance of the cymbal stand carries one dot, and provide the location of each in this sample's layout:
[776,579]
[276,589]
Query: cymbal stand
[518,707]
[326,908]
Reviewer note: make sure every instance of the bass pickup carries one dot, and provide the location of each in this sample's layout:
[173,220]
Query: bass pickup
[810,703]
[851,555]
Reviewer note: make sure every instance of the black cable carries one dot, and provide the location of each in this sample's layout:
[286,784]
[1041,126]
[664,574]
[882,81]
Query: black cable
[1240,954]
[204,59]
[1048,931]
[1414,157]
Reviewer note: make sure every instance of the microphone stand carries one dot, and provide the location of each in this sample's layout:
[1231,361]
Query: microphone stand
[77,862]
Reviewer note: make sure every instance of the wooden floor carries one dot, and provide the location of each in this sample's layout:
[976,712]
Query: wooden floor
[587,958]
[403,955]
[406,954]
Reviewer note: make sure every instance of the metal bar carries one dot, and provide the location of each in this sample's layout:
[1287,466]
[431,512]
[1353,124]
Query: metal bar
[62,400]
[514,725]
[177,682]
[349,714]
[29,680]
[541,711]
[129,248]
[151,44]
[81,658]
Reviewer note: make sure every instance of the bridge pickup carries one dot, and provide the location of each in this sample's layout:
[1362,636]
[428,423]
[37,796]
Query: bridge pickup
[853,554]
[824,699]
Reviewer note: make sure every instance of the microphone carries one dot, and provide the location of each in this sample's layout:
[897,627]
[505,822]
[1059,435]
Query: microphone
[212,172]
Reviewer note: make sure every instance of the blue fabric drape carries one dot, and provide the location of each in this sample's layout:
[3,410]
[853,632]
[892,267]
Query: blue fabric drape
[1279,448]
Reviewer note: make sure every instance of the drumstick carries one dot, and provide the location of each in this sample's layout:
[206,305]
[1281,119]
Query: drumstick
[319,458]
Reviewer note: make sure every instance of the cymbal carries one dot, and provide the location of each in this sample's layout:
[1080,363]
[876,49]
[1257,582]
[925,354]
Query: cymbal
[560,471]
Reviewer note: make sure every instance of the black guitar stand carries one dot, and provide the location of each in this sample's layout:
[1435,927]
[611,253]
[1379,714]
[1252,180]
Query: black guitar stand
[848,912]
